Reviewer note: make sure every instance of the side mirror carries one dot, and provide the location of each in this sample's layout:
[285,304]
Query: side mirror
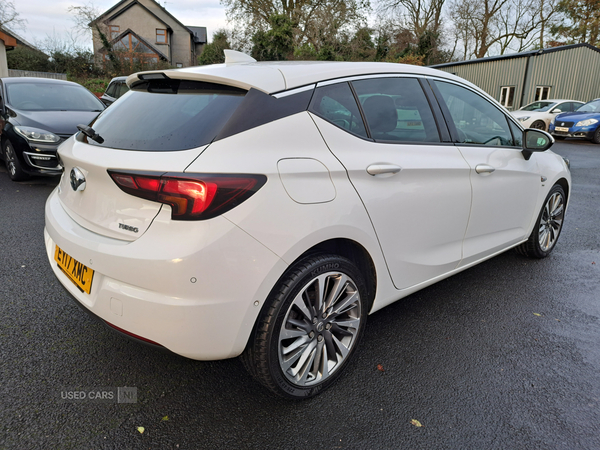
[536,141]
[556,111]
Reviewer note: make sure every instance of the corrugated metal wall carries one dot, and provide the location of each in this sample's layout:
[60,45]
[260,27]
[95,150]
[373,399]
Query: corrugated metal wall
[492,75]
[572,74]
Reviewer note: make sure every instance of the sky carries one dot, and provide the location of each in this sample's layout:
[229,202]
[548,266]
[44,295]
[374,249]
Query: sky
[51,17]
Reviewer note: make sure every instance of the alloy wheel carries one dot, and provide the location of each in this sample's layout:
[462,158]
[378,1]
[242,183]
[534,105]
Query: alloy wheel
[10,160]
[551,221]
[320,328]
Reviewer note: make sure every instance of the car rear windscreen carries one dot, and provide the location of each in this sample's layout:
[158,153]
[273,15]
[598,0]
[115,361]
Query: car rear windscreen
[167,115]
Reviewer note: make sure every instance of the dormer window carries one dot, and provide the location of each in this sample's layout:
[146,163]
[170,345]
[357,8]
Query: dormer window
[161,36]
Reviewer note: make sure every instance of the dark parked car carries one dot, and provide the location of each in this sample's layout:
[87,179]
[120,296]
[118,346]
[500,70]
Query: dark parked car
[116,88]
[36,115]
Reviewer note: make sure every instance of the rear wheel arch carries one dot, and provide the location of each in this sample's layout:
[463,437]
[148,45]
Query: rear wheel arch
[344,247]
[353,251]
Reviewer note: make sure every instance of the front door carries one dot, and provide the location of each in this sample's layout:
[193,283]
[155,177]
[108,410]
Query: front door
[505,185]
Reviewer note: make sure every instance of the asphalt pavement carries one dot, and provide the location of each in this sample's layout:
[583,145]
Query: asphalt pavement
[505,355]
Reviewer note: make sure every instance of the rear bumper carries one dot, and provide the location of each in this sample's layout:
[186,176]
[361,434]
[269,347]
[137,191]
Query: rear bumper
[195,288]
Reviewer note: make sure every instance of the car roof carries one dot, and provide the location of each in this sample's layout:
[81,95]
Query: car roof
[25,80]
[555,100]
[276,76]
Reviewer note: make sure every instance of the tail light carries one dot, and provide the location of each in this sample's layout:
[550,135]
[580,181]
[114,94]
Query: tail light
[191,196]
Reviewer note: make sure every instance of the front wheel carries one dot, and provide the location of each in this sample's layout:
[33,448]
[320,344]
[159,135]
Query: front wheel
[15,172]
[310,328]
[596,138]
[548,226]
[539,125]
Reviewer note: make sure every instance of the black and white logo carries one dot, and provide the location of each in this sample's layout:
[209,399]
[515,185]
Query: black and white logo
[77,179]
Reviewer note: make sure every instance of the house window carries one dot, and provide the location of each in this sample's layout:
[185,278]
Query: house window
[161,36]
[131,49]
[114,31]
[542,93]
[507,96]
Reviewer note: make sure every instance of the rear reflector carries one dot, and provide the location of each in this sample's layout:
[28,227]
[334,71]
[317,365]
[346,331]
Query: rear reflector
[191,196]
[135,336]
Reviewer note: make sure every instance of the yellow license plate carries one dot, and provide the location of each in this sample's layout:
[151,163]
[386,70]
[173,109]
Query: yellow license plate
[78,273]
[563,129]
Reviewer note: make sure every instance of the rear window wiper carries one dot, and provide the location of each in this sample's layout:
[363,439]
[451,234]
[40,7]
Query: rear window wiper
[91,133]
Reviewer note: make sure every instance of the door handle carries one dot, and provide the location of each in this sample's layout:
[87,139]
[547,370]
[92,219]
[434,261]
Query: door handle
[383,170]
[484,168]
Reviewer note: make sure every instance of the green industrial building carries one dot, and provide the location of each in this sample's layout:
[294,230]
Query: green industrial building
[567,72]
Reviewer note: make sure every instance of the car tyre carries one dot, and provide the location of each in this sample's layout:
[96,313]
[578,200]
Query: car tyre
[13,166]
[539,125]
[309,328]
[547,227]
[596,138]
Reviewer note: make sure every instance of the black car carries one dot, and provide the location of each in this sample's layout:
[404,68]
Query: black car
[36,115]
[116,88]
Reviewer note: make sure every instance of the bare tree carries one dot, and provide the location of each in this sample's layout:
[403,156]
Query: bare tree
[84,16]
[419,15]
[461,15]
[9,17]
[484,26]
[547,14]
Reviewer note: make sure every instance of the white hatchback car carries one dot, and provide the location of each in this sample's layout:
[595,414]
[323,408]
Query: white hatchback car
[539,114]
[265,209]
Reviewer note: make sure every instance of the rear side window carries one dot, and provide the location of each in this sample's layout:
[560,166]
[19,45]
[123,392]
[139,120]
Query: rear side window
[336,104]
[123,89]
[167,115]
[396,110]
[111,89]
[574,106]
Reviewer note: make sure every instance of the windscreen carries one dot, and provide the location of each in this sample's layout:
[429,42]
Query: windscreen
[167,115]
[593,106]
[538,106]
[51,97]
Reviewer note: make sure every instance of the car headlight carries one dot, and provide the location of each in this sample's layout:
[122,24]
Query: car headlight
[37,135]
[585,123]
[523,119]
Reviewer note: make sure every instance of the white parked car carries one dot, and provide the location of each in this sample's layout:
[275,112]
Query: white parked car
[539,114]
[265,209]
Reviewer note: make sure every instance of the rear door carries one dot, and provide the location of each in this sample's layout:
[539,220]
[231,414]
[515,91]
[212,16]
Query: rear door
[414,186]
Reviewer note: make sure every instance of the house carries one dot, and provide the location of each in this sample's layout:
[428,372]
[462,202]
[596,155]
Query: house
[7,42]
[515,80]
[142,30]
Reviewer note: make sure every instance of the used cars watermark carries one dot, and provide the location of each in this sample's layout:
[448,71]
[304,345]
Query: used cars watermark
[99,395]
